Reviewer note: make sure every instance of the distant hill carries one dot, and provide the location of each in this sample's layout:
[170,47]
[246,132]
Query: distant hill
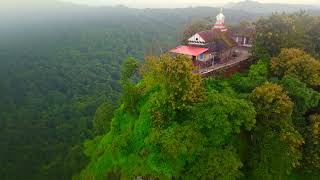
[59,62]
[267,8]
[29,13]
[25,15]
[51,15]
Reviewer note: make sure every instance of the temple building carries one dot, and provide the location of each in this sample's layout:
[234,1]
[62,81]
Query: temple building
[207,48]
[244,36]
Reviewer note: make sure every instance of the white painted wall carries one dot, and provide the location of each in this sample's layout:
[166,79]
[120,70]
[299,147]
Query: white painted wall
[197,40]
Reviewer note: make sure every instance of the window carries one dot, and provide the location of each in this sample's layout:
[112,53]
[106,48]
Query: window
[197,39]
[201,57]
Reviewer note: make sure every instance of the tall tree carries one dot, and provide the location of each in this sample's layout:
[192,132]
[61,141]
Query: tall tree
[312,147]
[297,63]
[275,136]
[283,31]
[102,118]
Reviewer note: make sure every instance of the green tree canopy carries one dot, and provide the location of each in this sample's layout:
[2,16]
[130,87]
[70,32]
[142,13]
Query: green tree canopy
[312,147]
[271,102]
[277,151]
[297,63]
[178,130]
[281,30]
[102,118]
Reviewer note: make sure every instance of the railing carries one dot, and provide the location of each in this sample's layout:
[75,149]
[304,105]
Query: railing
[244,56]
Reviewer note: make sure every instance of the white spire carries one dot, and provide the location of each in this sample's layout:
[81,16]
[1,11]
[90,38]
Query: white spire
[220,16]
[220,21]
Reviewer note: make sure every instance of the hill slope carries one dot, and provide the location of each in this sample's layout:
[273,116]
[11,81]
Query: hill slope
[267,8]
[58,63]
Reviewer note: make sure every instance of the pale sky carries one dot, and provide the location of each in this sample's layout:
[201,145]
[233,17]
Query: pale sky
[147,3]
[181,3]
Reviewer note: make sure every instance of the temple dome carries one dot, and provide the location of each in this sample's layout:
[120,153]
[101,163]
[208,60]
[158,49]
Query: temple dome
[220,22]
[220,17]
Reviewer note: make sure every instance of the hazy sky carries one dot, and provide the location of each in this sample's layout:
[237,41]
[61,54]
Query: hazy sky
[146,3]
[181,3]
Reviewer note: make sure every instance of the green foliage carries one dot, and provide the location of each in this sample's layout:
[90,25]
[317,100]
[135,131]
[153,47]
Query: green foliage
[131,96]
[55,82]
[187,128]
[221,163]
[283,31]
[312,147]
[54,76]
[271,158]
[275,136]
[271,32]
[180,145]
[102,118]
[303,97]
[213,116]
[257,75]
[313,35]
[271,102]
[289,38]
[179,88]
[295,62]
[128,69]
[131,93]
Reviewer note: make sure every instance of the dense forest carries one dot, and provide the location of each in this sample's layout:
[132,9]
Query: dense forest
[72,104]
[51,84]
[263,124]
[60,73]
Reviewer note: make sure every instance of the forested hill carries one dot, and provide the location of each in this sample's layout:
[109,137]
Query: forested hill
[260,124]
[266,8]
[58,64]
[60,70]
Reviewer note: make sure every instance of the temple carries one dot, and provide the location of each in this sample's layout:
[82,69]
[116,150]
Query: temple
[220,22]
[215,46]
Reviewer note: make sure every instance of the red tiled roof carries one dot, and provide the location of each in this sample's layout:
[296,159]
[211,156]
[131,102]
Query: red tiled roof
[189,50]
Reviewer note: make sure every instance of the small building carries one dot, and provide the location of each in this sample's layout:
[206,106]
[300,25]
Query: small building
[195,53]
[207,48]
[244,37]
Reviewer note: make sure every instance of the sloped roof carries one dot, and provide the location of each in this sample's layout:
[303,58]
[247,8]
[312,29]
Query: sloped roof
[223,38]
[226,39]
[189,50]
[208,36]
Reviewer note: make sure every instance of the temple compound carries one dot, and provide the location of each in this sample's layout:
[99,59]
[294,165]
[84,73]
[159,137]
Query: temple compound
[215,46]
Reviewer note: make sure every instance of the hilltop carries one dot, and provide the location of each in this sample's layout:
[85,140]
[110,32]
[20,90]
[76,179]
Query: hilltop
[60,71]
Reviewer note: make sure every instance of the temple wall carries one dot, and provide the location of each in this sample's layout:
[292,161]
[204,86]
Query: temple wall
[226,55]
[206,57]
[196,40]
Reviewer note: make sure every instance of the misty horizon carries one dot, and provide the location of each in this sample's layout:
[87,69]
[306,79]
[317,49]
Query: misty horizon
[141,4]
[181,3]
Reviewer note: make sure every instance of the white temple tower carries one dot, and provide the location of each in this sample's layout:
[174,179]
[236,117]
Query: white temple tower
[220,24]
